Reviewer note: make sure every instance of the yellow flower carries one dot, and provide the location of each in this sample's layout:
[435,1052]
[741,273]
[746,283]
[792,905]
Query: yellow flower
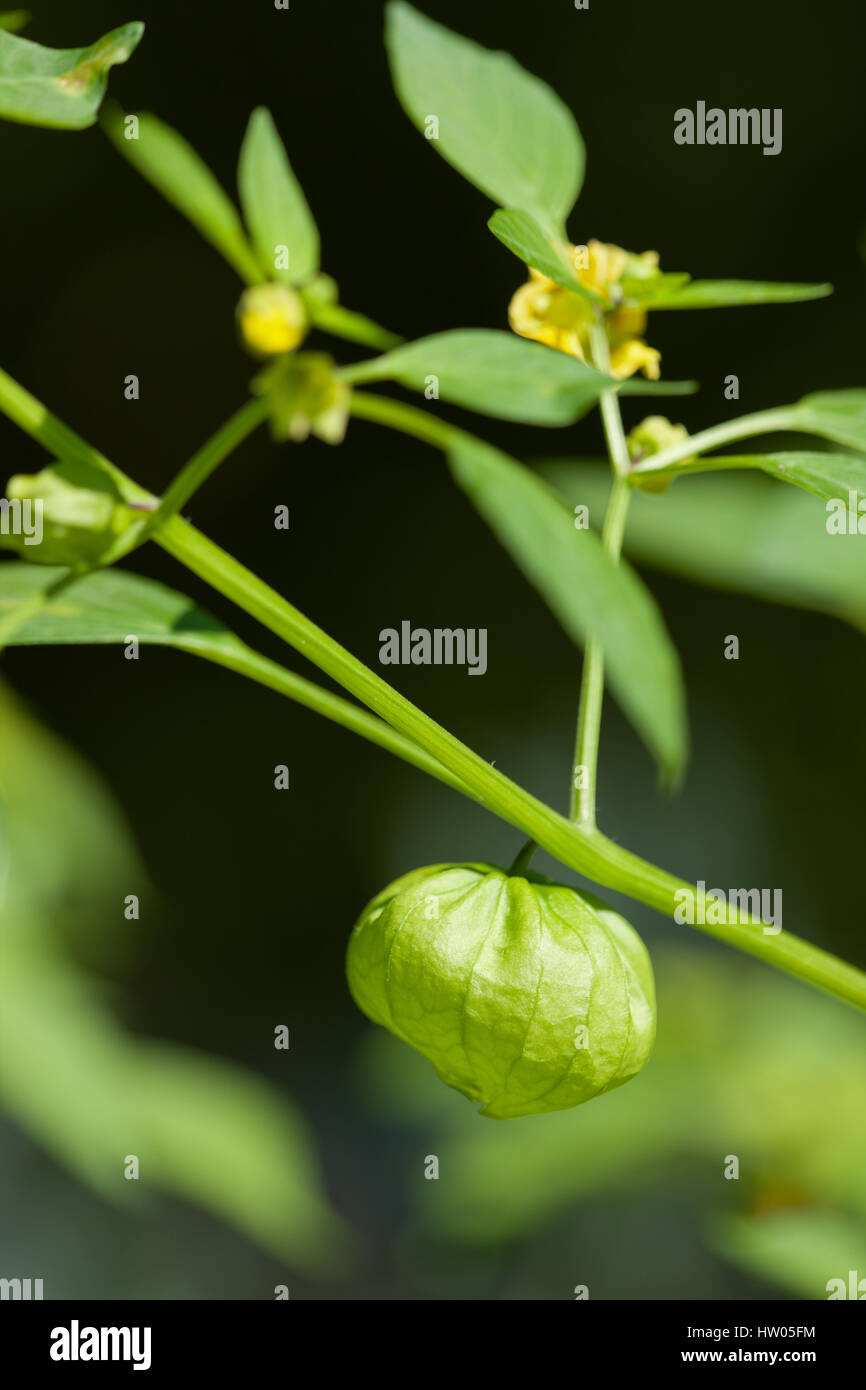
[272,319]
[561,319]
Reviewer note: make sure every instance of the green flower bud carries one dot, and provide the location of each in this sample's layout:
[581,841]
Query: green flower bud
[305,397]
[651,436]
[72,525]
[524,994]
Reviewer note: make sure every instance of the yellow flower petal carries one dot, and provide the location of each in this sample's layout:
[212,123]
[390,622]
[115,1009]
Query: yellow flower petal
[635,356]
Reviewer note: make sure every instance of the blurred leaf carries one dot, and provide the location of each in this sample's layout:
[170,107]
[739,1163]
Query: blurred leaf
[498,374]
[588,593]
[719,294]
[63,841]
[801,1250]
[499,126]
[745,1062]
[60,87]
[274,205]
[345,323]
[731,531]
[524,235]
[199,1128]
[14,20]
[166,160]
[90,1093]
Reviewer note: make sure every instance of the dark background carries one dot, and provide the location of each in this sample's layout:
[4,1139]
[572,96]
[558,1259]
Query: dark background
[258,890]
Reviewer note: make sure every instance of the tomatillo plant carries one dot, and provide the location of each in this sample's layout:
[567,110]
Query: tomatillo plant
[526,995]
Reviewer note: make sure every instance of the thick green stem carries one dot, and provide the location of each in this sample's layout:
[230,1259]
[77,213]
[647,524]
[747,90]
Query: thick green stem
[586,851]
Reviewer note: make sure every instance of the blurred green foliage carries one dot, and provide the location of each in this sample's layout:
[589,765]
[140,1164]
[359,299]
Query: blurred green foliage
[91,1092]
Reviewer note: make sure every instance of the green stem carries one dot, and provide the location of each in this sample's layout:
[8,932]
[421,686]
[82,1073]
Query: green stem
[408,419]
[355,328]
[760,422]
[587,851]
[584,772]
[208,458]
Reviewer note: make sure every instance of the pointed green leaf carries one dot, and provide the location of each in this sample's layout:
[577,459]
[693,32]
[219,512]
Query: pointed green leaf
[588,593]
[536,246]
[499,126]
[827,475]
[500,374]
[170,163]
[274,205]
[678,292]
[735,532]
[60,87]
[836,415]
[111,605]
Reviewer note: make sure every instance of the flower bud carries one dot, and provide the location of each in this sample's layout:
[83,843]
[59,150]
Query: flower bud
[527,996]
[651,436]
[72,525]
[305,397]
[272,319]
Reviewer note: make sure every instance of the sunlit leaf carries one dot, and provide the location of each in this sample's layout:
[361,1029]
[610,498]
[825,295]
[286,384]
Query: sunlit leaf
[588,593]
[502,375]
[665,293]
[274,205]
[733,531]
[170,163]
[503,129]
[539,247]
[836,415]
[60,87]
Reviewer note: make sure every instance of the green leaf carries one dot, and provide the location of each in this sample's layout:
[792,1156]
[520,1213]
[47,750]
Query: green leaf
[836,415]
[108,606]
[531,243]
[499,126]
[801,1250]
[666,293]
[111,605]
[588,593]
[166,160]
[91,1093]
[734,532]
[274,205]
[500,374]
[60,87]
[831,476]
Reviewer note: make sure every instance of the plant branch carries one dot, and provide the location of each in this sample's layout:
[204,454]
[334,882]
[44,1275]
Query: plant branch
[586,851]
[760,422]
